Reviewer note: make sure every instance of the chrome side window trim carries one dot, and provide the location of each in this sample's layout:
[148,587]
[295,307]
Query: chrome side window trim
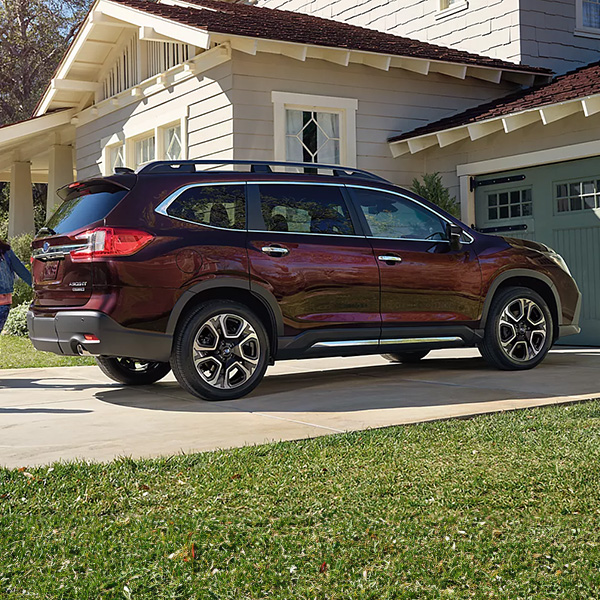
[407,198]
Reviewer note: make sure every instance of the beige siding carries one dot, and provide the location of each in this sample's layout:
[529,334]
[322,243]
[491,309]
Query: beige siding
[205,101]
[535,32]
[388,103]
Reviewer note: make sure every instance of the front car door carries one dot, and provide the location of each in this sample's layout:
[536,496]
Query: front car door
[424,284]
[304,248]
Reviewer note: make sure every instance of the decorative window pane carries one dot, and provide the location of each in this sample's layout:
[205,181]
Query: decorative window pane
[218,206]
[173,144]
[509,205]
[591,13]
[577,195]
[116,157]
[145,151]
[305,209]
[312,136]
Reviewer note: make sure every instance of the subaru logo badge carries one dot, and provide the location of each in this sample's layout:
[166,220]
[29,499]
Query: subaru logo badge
[46,247]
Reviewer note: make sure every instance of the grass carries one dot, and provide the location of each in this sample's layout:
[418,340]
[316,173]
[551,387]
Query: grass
[500,506]
[19,353]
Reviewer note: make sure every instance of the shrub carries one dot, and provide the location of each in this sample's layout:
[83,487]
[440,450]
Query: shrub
[433,190]
[21,246]
[16,324]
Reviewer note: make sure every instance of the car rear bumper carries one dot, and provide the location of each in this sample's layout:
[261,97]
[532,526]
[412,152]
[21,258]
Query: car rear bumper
[65,333]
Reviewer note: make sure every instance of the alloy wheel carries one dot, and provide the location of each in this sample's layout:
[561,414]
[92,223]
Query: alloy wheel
[522,329]
[226,351]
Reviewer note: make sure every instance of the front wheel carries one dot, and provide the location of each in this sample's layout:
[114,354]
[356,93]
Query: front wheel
[220,351]
[130,371]
[519,330]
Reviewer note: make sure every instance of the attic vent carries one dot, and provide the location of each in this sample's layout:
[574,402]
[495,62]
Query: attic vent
[163,56]
[124,73]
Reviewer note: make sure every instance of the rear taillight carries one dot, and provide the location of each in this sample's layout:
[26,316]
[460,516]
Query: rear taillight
[109,241]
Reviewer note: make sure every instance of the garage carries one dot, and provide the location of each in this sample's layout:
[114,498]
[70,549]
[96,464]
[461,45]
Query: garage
[558,205]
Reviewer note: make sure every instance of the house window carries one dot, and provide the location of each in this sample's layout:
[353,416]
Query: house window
[509,205]
[145,150]
[591,13]
[312,136]
[444,4]
[116,157]
[577,195]
[310,128]
[172,142]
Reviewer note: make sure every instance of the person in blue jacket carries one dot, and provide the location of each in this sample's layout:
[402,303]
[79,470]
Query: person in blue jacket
[10,266]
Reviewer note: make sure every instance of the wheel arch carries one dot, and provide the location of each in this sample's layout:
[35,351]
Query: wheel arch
[258,299]
[538,282]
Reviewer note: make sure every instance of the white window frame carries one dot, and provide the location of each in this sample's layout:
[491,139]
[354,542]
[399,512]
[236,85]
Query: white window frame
[131,147]
[131,135]
[447,10]
[580,29]
[345,107]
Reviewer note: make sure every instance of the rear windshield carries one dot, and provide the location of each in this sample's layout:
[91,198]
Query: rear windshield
[83,207]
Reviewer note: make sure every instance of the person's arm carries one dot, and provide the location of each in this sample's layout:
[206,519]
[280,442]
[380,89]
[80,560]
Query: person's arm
[19,268]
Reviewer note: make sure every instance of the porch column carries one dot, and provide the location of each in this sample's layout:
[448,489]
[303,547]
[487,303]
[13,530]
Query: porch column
[467,201]
[20,207]
[60,173]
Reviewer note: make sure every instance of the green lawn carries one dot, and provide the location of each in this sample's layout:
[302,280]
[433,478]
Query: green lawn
[18,353]
[500,506]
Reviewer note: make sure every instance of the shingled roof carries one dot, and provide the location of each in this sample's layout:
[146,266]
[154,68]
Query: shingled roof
[267,23]
[575,85]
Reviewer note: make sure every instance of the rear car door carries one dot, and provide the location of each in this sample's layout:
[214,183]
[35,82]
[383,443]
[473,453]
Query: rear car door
[423,282]
[304,247]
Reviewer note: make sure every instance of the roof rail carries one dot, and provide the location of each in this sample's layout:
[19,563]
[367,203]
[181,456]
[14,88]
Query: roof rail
[256,166]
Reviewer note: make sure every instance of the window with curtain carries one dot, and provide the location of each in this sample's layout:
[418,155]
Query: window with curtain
[145,150]
[591,13]
[312,136]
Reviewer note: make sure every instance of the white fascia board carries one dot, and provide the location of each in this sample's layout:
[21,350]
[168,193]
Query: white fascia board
[33,127]
[178,32]
[516,121]
[555,112]
[480,130]
[485,74]
[98,18]
[591,105]
[451,136]
[422,143]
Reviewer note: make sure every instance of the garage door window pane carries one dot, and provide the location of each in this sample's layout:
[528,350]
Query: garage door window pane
[577,195]
[509,205]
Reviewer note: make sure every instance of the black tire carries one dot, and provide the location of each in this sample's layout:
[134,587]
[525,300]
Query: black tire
[231,344]
[406,357]
[519,330]
[130,371]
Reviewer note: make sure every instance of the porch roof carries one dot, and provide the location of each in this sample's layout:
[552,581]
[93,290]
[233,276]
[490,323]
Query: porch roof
[574,92]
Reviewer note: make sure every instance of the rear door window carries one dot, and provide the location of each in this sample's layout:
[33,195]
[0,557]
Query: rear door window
[304,209]
[221,206]
[82,207]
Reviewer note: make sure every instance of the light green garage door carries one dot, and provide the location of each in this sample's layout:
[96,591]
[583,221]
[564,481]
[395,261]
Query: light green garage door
[560,205]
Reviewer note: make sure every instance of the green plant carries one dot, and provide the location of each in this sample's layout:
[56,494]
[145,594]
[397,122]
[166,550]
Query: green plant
[21,246]
[16,324]
[434,190]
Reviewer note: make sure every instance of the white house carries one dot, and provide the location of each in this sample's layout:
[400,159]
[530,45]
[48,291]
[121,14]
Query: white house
[204,78]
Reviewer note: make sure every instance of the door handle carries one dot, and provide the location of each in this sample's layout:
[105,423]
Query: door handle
[277,250]
[389,259]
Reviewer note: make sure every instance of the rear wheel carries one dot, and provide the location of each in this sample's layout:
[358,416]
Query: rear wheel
[220,351]
[519,330]
[130,371]
[406,357]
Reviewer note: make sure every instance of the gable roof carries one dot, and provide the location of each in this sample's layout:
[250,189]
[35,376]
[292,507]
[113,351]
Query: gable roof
[267,23]
[567,94]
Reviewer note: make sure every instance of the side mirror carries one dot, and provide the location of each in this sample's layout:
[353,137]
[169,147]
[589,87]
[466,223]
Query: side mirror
[454,234]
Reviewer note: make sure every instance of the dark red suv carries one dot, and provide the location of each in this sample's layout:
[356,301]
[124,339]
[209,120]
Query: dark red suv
[216,274]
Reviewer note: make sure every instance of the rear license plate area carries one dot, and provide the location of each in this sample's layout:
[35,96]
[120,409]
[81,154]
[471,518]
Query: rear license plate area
[50,271]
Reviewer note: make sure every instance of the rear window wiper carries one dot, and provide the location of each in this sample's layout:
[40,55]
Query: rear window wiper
[47,230]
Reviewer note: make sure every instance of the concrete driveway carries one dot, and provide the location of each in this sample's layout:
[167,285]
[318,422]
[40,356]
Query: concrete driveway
[68,413]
